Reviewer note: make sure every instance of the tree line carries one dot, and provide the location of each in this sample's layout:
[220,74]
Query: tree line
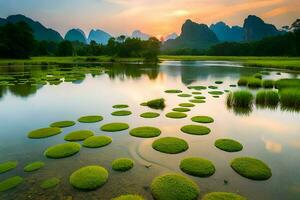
[17,41]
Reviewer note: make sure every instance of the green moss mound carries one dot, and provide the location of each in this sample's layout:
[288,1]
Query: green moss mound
[184,95]
[122,164]
[196,93]
[195,130]
[63,124]
[78,135]
[268,83]
[251,168]
[10,183]
[62,150]
[50,183]
[149,115]
[44,132]
[120,106]
[89,177]
[174,187]
[181,109]
[222,196]
[156,103]
[97,141]
[7,166]
[197,167]
[202,119]
[216,92]
[129,197]
[228,145]
[173,91]
[213,87]
[176,115]
[121,113]
[199,97]
[34,166]
[218,82]
[197,101]
[113,127]
[90,119]
[197,87]
[187,105]
[145,132]
[170,145]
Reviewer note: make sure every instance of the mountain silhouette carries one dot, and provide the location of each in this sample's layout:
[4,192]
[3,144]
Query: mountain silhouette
[76,35]
[99,36]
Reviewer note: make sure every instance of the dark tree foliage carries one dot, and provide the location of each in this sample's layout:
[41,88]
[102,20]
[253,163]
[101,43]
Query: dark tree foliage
[65,48]
[16,40]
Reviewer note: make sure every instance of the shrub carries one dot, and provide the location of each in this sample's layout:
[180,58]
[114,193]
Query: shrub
[243,81]
[156,103]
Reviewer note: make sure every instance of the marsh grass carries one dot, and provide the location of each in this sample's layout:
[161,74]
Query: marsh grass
[290,99]
[267,99]
[268,83]
[287,83]
[241,99]
[254,82]
[243,81]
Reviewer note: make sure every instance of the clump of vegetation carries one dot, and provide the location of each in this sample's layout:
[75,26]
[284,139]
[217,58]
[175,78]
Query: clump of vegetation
[122,164]
[7,166]
[121,113]
[258,75]
[63,124]
[197,101]
[199,97]
[10,183]
[90,119]
[268,83]
[129,197]
[254,82]
[184,95]
[216,92]
[34,166]
[197,167]
[290,99]
[170,145]
[202,119]
[145,132]
[113,127]
[213,87]
[241,99]
[50,183]
[176,115]
[44,132]
[120,106]
[228,145]
[223,196]
[89,177]
[197,87]
[78,135]
[243,81]
[97,141]
[196,93]
[62,150]
[156,103]
[267,98]
[173,91]
[181,109]
[195,130]
[174,186]
[251,168]
[150,115]
[287,83]
[218,82]
[187,105]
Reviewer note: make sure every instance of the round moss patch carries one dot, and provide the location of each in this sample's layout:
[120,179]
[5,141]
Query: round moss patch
[145,132]
[184,95]
[171,145]
[10,183]
[89,177]
[174,187]
[222,196]
[129,197]
[122,164]
[195,129]
[181,109]
[251,168]
[34,166]
[113,127]
[197,167]
[202,119]
[120,106]
[197,101]
[216,92]
[173,91]
[213,87]
[228,145]
[187,105]
[44,132]
[150,115]
[63,124]
[176,115]
[62,150]
[97,141]
[90,119]
[78,135]
[121,113]
[7,166]
[196,93]
[199,97]
[50,183]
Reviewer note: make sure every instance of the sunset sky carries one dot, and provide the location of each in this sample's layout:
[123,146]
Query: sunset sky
[156,17]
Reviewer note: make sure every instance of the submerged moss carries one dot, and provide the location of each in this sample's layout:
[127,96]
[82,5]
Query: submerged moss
[202,119]
[50,183]
[34,166]
[120,106]
[173,186]
[173,91]
[228,145]
[196,166]
[10,183]
[181,109]
[90,119]
[129,197]
[78,135]
[44,132]
[113,127]
[170,145]
[7,166]
[145,132]
[195,130]
[62,150]
[222,196]
[97,141]
[89,177]
[122,164]
[176,115]
[149,115]
[187,105]
[63,124]
[121,113]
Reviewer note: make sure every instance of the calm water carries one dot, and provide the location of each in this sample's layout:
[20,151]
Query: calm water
[270,135]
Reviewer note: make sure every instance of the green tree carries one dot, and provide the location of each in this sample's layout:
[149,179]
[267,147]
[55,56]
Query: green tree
[65,48]
[151,49]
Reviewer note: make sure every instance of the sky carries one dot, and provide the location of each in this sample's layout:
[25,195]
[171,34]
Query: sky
[155,17]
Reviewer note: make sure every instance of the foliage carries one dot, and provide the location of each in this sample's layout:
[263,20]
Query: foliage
[156,103]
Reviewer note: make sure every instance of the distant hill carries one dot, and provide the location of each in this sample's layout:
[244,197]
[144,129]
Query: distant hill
[255,28]
[140,35]
[40,31]
[226,33]
[76,35]
[99,36]
[193,36]
[172,36]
